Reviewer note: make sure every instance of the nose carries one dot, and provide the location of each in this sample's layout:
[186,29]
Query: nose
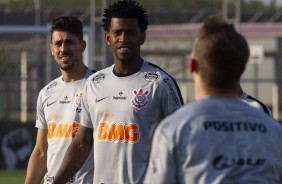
[123,37]
[63,47]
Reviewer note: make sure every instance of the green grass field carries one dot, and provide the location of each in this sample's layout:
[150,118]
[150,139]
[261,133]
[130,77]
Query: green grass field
[12,177]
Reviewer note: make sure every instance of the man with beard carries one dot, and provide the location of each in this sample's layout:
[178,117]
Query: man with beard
[121,104]
[58,106]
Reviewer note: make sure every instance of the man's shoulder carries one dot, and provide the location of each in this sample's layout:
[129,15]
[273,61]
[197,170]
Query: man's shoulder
[248,99]
[181,114]
[150,67]
[90,72]
[53,85]
[216,111]
[154,73]
[98,76]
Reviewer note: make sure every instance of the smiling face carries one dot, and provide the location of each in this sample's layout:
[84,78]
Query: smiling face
[125,38]
[67,49]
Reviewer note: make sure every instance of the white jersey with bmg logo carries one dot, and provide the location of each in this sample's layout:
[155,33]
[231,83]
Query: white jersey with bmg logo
[58,108]
[123,112]
[216,140]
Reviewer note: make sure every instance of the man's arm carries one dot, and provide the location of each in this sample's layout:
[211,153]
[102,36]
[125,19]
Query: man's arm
[171,96]
[37,162]
[162,166]
[76,155]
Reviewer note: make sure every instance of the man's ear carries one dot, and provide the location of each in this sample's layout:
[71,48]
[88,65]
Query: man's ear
[193,65]
[107,38]
[143,38]
[51,50]
[83,44]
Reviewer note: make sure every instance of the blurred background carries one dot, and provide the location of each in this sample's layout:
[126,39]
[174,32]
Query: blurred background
[26,64]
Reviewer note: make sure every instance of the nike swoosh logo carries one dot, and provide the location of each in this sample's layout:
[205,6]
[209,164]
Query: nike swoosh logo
[98,100]
[50,103]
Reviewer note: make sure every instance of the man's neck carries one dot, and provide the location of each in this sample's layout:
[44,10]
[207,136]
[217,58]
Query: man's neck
[122,68]
[202,90]
[74,74]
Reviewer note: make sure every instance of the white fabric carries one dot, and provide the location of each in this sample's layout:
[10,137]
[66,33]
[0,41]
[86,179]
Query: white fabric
[58,108]
[216,140]
[123,111]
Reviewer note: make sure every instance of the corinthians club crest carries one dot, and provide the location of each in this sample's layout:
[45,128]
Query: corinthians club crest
[76,103]
[140,99]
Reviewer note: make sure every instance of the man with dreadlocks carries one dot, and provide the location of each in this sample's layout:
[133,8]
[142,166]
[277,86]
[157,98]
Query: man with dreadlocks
[121,104]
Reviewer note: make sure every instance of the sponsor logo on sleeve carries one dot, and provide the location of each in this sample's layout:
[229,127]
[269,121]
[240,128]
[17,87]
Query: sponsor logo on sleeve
[99,78]
[166,80]
[52,86]
[140,98]
[151,76]
[172,92]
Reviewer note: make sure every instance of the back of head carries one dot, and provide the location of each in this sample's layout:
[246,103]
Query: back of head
[125,9]
[222,53]
[68,24]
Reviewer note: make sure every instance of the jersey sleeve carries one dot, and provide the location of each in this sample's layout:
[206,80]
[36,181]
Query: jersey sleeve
[171,96]
[85,118]
[40,115]
[161,167]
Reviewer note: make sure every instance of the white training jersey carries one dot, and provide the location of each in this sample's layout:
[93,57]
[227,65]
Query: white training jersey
[216,140]
[58,109]
[123,112]
[255,103]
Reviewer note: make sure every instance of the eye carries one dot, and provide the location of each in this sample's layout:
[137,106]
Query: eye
[57,44]
[116,32]
[131,32]
[69,42]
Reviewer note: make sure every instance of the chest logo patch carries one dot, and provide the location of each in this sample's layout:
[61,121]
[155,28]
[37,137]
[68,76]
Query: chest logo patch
[76,103]
[140,98]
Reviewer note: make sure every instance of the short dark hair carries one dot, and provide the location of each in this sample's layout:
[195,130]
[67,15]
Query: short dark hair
[125,9]
[68,24]
[222,53]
